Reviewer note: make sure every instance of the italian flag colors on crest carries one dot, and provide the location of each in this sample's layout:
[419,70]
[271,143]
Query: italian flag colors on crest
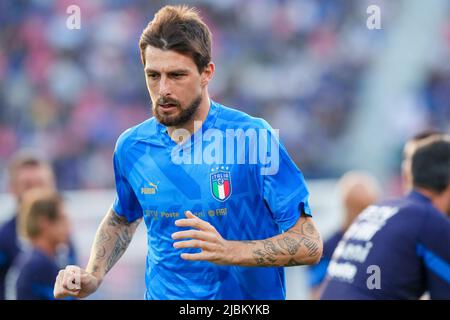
[221,185]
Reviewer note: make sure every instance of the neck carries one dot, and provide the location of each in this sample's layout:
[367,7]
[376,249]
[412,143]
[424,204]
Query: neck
[439,201]
[45,246]
[199,116]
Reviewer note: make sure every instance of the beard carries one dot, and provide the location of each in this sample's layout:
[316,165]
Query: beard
[183,115]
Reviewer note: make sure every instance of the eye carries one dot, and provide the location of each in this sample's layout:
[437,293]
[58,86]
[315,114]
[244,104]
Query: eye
[178,75]
[153,76]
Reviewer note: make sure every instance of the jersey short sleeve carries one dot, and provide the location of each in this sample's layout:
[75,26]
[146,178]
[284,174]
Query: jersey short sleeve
[125,203]
[284,190]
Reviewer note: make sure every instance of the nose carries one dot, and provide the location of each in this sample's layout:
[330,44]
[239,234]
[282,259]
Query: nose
[164,86]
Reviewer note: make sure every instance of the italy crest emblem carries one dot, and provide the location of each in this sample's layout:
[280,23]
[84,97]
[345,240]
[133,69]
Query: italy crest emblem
[220,183]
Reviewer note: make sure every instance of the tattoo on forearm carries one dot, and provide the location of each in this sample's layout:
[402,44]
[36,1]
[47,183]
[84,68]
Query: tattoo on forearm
[271,248]
[112,240]
[116,220]
[276,250]
[263,258]
[292,262]
[291,245]
[102,238]
[122,242]
[309,230]
[311,245]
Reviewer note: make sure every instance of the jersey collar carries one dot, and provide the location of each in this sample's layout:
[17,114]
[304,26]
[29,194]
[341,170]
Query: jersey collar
[416,195]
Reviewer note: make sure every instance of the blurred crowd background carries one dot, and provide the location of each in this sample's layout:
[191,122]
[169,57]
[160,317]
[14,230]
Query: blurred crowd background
[343,96]
[300,64]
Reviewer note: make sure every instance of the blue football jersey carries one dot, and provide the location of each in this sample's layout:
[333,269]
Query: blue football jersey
[397,249]
[239,201]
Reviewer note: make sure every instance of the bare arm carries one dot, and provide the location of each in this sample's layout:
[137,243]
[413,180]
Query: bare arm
[300,245]
[111,240]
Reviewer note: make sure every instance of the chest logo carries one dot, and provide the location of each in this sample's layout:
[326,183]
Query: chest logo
[220,181]
[153,189]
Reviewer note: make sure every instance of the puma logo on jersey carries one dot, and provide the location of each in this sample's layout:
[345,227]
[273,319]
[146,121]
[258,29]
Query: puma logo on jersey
[153,189]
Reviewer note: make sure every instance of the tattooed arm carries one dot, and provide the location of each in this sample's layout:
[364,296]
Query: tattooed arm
[300,245]
[111,240]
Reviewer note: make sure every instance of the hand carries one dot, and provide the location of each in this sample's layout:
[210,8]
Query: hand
[214,248]
[75,282]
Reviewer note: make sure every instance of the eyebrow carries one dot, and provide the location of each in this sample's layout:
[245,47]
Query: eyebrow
[171,71]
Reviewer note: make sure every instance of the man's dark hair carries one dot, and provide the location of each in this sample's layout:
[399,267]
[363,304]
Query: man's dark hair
[178,28]
[426,134]
[431,165]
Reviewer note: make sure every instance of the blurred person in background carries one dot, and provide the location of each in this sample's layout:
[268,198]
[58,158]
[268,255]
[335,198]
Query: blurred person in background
[408,151]
[44,224]
[399,248]
[357,191]
[27,171]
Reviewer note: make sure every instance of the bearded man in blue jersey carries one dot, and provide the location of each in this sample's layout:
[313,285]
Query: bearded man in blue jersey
[217,190]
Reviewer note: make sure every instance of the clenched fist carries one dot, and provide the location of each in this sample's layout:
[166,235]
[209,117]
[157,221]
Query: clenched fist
[75,282]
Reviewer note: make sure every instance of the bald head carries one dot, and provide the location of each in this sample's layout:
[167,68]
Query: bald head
[358,190]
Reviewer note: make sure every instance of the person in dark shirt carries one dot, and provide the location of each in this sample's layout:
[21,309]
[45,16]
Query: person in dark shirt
[27,171]
[43,222]
[357,190]
[399,248]
[408,150]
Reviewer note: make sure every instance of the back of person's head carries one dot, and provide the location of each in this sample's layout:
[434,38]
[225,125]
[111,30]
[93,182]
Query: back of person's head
[430,164]
[28,170]
[358,190]
[42,215]
[408,150]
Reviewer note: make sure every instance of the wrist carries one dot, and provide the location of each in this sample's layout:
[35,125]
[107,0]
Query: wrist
[94,272]
[235,249]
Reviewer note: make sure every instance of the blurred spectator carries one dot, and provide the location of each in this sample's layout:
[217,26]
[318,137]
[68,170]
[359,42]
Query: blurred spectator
[398,249]
[410,147]
[27,171]
[358,190]
[43,222]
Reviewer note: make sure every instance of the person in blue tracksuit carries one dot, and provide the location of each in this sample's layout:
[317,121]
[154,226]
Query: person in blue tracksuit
[399,248]
[358,190]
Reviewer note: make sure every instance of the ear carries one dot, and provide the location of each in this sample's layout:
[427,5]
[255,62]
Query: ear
[406,173]
[207,74]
